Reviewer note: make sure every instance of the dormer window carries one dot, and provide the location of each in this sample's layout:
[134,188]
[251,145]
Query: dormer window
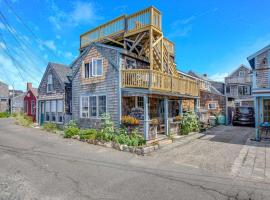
[241,73]
[50,83]
[94,68]
[97,68]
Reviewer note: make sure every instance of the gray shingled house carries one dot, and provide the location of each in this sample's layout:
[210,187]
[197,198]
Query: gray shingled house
[54,95]
[4,92]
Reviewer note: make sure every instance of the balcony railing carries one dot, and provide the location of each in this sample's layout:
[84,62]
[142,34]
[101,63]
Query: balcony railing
[147,17]
[158,81]
[238,80]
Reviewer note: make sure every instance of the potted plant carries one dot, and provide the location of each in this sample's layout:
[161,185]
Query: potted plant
[130,122]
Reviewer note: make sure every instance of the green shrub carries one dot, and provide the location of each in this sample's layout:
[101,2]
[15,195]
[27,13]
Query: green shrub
[189,123]
[50,127]
[105,136]
[88,134]
[134,139]
[71,129]
[24,120]
[4,115]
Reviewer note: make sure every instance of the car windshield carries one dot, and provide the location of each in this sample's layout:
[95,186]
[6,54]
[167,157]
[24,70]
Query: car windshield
[244,110]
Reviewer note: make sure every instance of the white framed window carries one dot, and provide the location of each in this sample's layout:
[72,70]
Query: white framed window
[60,111]
[47,110]
[241,73]
[50,83]
[101,105]
[84,107]
[33,107]
[53,110]
[97,67]
[139,102]
[93,106]
[212,105]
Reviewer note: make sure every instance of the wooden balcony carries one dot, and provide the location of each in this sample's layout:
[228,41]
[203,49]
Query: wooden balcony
[158,81]
[238,80]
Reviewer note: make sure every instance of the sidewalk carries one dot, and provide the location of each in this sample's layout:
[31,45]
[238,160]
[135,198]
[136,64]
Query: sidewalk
[253,161]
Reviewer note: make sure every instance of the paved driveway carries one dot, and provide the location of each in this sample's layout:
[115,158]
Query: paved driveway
[39,165]
[214,151]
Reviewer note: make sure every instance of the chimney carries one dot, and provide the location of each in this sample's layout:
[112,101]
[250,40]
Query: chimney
[29,86]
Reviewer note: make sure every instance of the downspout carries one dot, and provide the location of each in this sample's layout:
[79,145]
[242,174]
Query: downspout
[119,62]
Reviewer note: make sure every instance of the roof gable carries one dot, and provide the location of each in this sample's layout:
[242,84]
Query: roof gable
[244,67]
[75,65]
[258,52]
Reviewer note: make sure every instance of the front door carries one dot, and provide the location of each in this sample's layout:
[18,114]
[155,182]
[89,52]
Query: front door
[266,110]
[42,113]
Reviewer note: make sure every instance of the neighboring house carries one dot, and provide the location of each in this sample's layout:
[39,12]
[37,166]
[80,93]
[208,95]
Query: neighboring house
[4,97]
[239,85]
[30,100]
[260,64]
[212,100]
[14,94]
[17,103]
[127,67]
[54,95]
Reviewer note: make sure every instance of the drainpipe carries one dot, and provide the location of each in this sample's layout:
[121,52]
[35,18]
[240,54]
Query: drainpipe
[146,117]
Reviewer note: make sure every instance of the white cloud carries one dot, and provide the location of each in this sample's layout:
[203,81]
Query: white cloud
[50,44]
[68,54]
[2,26]
[219,76]
[183,27]
[2,45]
[81,13]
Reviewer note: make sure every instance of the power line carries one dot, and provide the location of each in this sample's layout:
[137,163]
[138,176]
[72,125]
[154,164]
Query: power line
[37,39]
[15,62]
[22,44]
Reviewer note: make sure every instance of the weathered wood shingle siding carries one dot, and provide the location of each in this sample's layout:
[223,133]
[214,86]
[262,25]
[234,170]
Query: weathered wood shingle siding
[107,85]
[58,90]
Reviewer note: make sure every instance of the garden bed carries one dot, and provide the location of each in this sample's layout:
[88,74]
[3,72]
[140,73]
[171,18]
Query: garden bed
[141,150]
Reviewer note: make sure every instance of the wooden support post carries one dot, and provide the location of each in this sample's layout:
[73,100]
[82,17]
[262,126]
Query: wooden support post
[146,117]
[166,116]
[151,60]
[196,105]
[180,107]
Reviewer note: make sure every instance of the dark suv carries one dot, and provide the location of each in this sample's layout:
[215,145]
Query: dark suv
[244,116]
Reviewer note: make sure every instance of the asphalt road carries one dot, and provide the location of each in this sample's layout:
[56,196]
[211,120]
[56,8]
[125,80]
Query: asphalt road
[39,165]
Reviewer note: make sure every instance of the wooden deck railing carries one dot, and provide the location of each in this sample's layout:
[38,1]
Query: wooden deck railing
[147,17]
[111,28]
[155,80]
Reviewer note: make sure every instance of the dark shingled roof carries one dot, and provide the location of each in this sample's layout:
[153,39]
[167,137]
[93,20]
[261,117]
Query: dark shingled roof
[62,71]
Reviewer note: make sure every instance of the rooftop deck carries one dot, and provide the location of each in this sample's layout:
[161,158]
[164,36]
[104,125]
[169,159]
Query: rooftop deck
[126,25]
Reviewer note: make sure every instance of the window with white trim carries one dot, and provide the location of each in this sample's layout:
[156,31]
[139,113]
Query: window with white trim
[241,73]
[93,106]
[53,110]
[60,111]
[85,107]
[212,105]
[50,83]
[47,110]
[101,105]
[97,67]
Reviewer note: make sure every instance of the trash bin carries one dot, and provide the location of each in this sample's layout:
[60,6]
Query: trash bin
[221,119]
[212,120]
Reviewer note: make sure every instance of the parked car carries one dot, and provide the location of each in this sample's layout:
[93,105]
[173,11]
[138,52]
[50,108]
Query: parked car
[244,116]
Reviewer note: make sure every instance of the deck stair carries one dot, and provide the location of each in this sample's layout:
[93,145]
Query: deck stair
[162,140]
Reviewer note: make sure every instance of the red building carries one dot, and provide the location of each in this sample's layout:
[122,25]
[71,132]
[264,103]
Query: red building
[30,100]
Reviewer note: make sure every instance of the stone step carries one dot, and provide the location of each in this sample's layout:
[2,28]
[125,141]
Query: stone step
[164,142]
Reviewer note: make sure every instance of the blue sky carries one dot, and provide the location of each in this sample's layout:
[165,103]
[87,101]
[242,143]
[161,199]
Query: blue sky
[212,37]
